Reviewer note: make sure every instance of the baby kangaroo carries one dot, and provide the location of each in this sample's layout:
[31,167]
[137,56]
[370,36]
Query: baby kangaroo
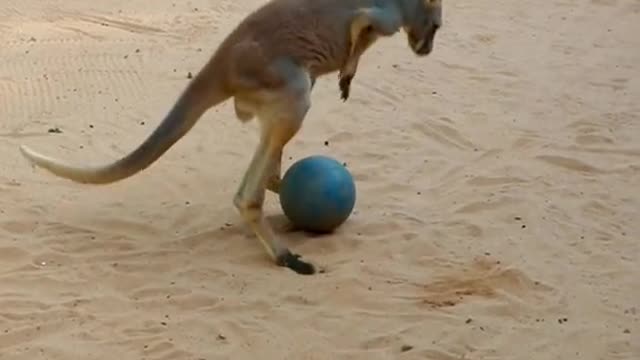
[268,65]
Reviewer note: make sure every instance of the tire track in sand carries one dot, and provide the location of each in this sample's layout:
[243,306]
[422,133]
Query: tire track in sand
[47,86]
[51,72]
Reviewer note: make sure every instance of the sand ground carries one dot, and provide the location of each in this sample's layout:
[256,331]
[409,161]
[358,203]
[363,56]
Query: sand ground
[498,212]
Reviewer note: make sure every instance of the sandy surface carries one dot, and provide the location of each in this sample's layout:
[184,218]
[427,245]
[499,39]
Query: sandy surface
[498,207]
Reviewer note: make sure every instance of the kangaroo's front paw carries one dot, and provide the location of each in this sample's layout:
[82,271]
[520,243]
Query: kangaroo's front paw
[345,86]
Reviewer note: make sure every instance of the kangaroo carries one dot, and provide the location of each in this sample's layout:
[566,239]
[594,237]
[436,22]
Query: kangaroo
[268,65]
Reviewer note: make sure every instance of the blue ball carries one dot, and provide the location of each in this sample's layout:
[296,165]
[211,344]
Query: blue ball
[317,194]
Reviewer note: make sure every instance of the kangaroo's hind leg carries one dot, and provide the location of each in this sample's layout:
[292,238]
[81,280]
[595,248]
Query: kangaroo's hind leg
[273,182]
[280,112]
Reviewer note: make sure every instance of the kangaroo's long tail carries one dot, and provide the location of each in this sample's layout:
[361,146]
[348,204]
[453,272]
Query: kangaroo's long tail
[202,93]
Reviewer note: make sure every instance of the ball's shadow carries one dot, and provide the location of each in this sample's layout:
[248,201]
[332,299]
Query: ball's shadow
[282,225]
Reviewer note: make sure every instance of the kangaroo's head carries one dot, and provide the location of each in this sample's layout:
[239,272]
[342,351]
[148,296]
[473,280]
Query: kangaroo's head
[423,23]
